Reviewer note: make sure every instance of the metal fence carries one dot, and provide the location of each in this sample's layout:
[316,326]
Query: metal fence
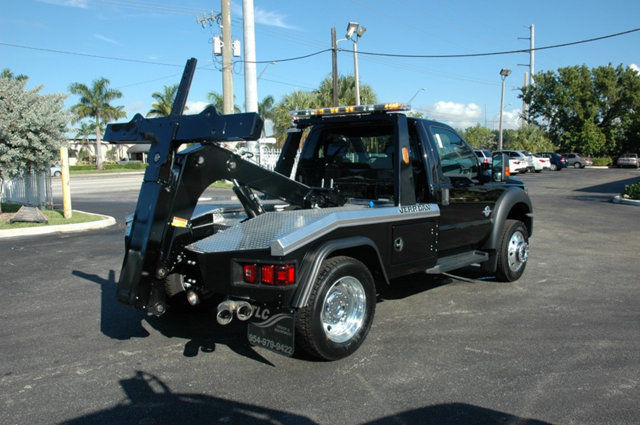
[32,189]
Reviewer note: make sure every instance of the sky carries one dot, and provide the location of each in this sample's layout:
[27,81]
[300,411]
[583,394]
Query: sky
[140,46]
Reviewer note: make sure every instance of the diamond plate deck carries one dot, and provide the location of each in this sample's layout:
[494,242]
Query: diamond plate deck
[284,231]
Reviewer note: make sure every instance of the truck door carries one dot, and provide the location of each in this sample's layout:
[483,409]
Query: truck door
[465,204]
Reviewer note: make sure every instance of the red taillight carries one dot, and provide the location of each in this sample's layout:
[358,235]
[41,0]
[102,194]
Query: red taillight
[270,274]
[267,274]
[285,275]
[250,273]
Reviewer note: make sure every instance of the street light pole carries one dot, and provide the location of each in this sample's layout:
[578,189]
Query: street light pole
[414,96]
[504,73]
[354,32]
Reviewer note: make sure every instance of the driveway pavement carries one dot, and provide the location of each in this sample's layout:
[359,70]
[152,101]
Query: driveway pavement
[559,346]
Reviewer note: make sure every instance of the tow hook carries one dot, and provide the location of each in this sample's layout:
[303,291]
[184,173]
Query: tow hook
[226,309]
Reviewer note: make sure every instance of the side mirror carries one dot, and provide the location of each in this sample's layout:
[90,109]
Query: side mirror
[500,167]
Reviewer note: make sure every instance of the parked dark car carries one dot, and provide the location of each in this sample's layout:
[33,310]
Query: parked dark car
[576,160]
[558,162]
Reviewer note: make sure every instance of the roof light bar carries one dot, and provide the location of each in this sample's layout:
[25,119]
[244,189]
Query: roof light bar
[344,110]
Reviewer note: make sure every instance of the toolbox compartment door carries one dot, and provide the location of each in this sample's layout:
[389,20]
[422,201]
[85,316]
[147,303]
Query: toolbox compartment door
[414,244]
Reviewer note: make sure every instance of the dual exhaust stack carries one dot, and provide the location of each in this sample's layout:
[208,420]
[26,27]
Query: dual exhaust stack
[226,309]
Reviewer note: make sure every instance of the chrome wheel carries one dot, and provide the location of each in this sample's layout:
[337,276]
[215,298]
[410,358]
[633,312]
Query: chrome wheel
[517,251]
[344,309]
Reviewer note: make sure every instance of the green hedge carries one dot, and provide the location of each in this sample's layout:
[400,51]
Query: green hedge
[110,166]
[632,190]
[604,161]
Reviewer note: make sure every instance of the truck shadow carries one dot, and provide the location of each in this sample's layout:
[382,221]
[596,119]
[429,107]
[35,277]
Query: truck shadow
[407,286]
[150,400]
[196,325]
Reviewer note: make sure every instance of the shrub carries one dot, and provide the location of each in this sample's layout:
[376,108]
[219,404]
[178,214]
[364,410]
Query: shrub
[632,190]
[603,161]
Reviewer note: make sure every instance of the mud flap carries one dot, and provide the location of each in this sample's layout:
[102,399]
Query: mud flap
[129,283]
[275,334]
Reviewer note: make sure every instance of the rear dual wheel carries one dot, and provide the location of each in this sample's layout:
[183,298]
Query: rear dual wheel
[340,311]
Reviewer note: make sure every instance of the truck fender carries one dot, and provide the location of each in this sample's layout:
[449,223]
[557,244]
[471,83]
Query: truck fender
[312,263]
[512,204]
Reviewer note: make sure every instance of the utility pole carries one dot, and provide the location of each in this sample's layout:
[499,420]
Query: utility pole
[531,39]
[334,65]
[250,80]
[227,66]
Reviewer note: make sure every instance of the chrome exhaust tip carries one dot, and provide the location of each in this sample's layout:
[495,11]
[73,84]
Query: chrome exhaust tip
[225,312]
[244,310]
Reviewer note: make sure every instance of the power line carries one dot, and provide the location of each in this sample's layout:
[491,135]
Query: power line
[507,52]
[391,55]
[90,55]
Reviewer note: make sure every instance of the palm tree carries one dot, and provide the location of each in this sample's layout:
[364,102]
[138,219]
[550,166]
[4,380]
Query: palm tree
[164,102]
[265,108]
[6,73]
[95,103]
[346,92]
[217,101]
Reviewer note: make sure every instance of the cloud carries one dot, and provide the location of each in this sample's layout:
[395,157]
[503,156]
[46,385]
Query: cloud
[195,107]
[83,4]
[457,115]
[108,40]
[510,119]
[273,19]
[461,116]
[263,17]
[635,67]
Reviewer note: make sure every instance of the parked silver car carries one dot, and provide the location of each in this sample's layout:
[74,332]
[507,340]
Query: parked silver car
[576,160]
[517,161]
[628,160]
[55,171]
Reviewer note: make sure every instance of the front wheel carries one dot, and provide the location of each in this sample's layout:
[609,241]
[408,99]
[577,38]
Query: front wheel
[340,311]
[513,251]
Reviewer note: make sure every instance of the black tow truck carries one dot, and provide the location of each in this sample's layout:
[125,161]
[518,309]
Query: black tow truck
[360,195]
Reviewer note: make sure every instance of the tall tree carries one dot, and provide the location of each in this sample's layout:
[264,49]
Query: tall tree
[592,111]
[6,73]
[164,102]
[95,102]
[530,138]
[480,137]
[346,92]
[265,107]
[32,127]
[217,101]
[320,97]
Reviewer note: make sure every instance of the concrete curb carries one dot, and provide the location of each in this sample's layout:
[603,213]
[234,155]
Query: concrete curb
[620,200]
[105,221]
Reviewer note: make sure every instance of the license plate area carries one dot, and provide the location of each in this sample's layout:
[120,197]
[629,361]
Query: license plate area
[275,334]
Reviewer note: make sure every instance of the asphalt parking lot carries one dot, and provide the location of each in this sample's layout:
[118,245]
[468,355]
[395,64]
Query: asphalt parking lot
[559,346]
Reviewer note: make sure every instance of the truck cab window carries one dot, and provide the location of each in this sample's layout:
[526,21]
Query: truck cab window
[456,157]
[357,159]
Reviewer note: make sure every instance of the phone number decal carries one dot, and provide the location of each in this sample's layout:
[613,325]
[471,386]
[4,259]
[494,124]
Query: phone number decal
[270,344]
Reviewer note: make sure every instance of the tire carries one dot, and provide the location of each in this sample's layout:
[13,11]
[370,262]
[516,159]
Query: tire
[513,251]
[57,174]
[340,311]
[554,167]
[577,165]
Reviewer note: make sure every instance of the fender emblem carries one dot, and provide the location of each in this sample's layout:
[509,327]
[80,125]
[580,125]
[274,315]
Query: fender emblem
[486,211]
